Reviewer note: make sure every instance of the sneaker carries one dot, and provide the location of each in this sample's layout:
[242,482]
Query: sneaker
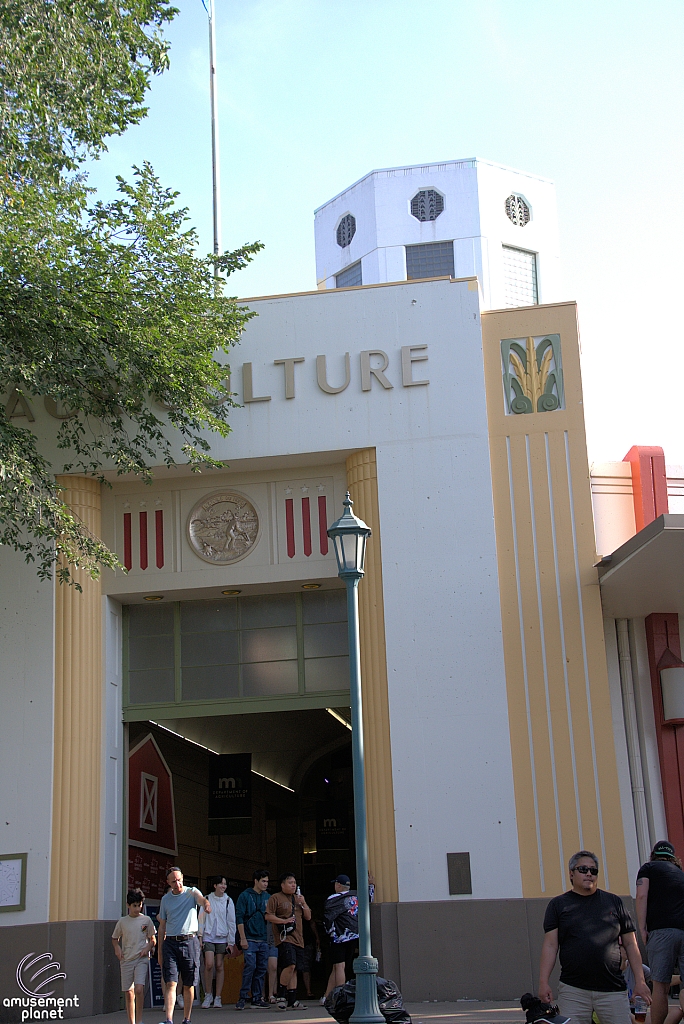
[217,1002]
[179,1000]
[167,1022]
[259,1004]
[206,1002]
[322,1000]
[240,1005]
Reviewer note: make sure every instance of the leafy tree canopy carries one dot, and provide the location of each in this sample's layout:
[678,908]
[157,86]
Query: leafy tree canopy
[73,72]
[105,308]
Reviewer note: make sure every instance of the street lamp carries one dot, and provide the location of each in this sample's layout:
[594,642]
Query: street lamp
[349,535]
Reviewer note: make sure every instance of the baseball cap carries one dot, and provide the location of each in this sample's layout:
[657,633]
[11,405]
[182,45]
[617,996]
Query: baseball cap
[663,849]
[342,879]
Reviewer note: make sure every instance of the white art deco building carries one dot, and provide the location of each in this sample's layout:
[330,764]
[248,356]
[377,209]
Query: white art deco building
[522,673]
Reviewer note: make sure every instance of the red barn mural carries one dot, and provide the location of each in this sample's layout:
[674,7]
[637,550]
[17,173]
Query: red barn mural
[151,818]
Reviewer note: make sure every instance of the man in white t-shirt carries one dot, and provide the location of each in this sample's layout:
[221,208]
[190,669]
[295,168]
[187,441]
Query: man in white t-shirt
[217,937]
[133,938]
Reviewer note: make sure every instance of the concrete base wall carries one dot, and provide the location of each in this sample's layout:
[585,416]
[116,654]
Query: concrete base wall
[84,951]
[465,949]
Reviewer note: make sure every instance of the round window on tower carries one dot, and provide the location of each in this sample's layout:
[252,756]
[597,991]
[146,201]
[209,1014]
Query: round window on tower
[346,230]
[427,204]
[517,211]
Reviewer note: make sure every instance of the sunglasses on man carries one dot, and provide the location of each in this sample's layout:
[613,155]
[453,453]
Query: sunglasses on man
[584,869]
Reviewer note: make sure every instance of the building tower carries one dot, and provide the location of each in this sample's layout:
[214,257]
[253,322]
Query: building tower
[461,218]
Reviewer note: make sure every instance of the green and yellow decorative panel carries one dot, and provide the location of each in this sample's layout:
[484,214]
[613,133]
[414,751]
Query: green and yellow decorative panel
[532,374]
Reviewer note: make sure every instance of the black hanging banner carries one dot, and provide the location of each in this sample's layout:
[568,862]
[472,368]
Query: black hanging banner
[230,795]
[332,829]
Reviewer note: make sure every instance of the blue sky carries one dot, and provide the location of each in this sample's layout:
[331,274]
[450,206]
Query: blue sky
[315,93]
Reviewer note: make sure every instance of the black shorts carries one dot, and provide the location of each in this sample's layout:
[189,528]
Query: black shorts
[181,957]
[307,958]
[289,955]
[340,952]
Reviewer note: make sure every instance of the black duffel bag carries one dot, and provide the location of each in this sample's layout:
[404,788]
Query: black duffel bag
[341,1001]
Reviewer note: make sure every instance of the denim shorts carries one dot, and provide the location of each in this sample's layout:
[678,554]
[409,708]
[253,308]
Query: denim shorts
[181,957]
[665,948]
[273,952]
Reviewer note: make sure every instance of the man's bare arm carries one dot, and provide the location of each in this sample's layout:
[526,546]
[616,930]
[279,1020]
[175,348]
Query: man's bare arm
[631,948]
[202,901]
[547,962]
[160,939]
[641,904]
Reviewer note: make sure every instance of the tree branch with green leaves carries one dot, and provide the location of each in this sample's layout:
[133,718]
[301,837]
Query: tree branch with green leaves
[105,308]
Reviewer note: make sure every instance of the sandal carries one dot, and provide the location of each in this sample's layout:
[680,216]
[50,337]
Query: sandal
[272,999]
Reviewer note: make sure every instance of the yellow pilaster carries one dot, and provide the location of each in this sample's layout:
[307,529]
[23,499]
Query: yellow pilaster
[564,763]
[75,862]
[362,481]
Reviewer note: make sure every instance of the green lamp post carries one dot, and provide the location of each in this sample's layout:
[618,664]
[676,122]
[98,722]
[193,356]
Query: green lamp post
[349,535]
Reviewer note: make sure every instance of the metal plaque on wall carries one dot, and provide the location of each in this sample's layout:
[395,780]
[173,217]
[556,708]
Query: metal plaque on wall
[223,527]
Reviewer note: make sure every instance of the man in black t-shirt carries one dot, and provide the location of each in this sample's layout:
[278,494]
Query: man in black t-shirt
[586,924]
[660,914]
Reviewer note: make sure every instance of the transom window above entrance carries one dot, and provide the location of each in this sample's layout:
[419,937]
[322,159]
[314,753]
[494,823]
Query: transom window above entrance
[242,653]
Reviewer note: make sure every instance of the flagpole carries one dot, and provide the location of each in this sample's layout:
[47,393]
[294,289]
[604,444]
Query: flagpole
[215,166]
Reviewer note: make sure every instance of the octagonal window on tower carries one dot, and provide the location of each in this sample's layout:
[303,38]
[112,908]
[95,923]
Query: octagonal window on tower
[346,230]
[517,211]
[427,204]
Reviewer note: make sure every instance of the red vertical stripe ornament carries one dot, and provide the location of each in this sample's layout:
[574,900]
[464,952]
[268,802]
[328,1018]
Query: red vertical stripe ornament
[128,557]
[323,523]
[159,536]
[289,527]
[306,526]
[143,540]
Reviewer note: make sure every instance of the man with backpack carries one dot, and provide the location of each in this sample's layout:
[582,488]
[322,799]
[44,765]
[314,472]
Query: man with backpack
[253,940]
[341,919]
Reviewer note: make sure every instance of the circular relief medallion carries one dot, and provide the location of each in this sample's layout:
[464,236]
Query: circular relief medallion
[223,528]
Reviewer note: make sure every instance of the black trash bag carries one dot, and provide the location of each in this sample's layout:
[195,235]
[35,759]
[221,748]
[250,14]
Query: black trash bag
[389,996]
[399,1016]
[340,1003]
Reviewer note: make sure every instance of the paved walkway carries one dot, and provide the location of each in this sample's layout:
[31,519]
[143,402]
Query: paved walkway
[462,1012]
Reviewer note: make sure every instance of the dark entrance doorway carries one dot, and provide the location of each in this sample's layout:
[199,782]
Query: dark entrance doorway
[301,804]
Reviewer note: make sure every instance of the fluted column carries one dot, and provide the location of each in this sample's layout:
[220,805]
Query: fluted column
[75,862]
[362,482]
